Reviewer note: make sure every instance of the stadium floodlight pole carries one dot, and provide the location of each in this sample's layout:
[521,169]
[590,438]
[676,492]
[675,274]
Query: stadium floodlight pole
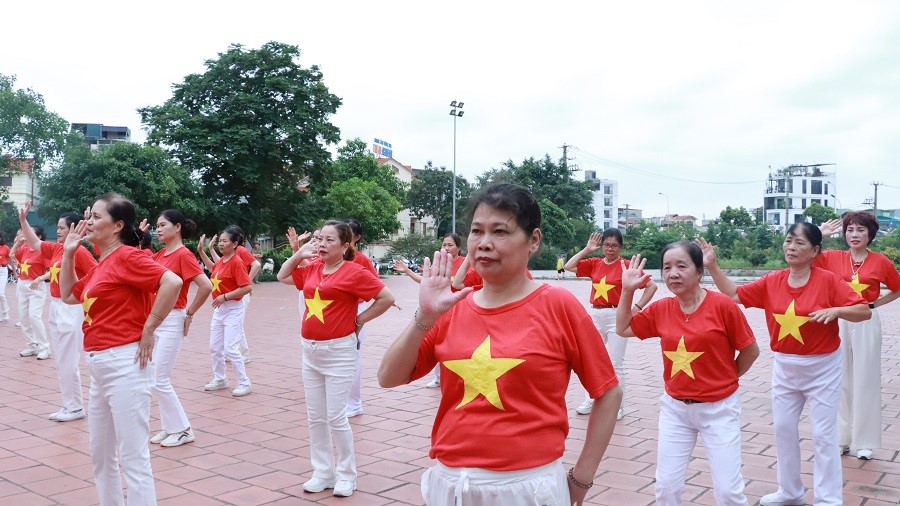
[457,112]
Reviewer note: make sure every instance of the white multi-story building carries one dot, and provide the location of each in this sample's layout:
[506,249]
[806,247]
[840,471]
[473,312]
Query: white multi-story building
[20,183]
[790,190]
[409,224]
[605,200]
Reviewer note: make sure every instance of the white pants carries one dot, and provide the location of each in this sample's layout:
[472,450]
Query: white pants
[68,343]
[245,348]
[169,337]
[859,412]
[354,402]
[4,305]
[605,321]
[796,380]
[539,486]
[225,340]
[719,426]
[327,375]
[31,306]
[119,425]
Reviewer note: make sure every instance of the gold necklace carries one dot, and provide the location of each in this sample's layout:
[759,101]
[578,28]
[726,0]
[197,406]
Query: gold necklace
[858,266]
[695,306]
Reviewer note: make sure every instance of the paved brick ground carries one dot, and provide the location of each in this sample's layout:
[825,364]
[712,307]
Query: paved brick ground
[254,450]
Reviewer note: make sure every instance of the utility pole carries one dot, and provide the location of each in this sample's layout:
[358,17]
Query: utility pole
[876,184]
[565,158]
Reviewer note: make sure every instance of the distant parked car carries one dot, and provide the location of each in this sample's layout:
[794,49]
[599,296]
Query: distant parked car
[409,263]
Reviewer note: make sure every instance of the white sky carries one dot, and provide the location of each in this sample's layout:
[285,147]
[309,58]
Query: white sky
[703,91]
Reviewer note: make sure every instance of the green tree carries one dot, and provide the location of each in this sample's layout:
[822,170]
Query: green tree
[253,126]
[414,247]
[738,218]
[431,194]
[649,239]
[354,160]
[818,214]
[367,202]
[557,229]
[145,174]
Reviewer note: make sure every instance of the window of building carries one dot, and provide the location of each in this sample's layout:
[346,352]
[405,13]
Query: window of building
[5,180]
[803,204]
[607,201]
[607,189]
[804,186]
[816,187]
[607,213]
[826,190]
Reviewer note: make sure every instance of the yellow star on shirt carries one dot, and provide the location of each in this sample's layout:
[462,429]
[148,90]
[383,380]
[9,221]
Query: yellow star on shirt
[790,323]
[857,286]
[602,288]
[480,374]
[86,306]
[215,281]
[316,306]
[24,266]
[54,273]
[681,359]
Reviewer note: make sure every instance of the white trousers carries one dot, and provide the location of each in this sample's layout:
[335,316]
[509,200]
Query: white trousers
[225,340]
[119,425]
[605,321]
[327,375]
[31,307]
[796,381]
[169,337]
[4,305]
[245,348]
[68,343]
[545,485]
[354,401]
[719,426]
[859,412]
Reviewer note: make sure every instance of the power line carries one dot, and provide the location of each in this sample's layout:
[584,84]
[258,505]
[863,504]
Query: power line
[622,166]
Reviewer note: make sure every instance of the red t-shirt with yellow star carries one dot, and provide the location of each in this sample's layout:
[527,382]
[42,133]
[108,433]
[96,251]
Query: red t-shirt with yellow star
[698,354]
[787,309]
[245,257]
[4,255]
[31,262]
[229,275]
[876,270]
[182,262]
[116,298]
[332,299]
[53,253]
[504,375]
[606,279]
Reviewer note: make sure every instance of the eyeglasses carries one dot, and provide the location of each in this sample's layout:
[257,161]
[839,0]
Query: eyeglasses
[613,245]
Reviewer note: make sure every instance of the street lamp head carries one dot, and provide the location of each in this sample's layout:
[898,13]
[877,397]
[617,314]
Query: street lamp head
[460,105]
[461,113]
[453,104]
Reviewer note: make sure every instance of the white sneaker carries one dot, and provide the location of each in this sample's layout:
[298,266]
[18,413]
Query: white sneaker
[70,416]
[159,437]
[344,488]
[315,485]
[178,438]
[864,454]
[246,359]
[586,407]
[18,324]
[845,449]
[44,354]
[29,351]
[216,385]
[620,414]
[53,416]
[433,384]
[354,412]
[780,499]
[241,390]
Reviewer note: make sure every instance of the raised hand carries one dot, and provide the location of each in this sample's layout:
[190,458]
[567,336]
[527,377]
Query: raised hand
[400,266]
[831,226]
[77,233]
[23,213]
[200,243]
[144,225]
[293,239]
[633,277]
[435,295]
[212,242]
[709,252]
[593,243]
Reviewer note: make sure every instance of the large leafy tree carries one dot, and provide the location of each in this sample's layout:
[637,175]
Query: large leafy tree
[431,194]
[818,214]
[253,126]
[367,202]
[27,129]
[354,160]
[736,217]
[147,175]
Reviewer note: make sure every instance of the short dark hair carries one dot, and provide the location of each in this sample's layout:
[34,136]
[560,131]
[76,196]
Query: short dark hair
[235,233]
[612,232]
[121,209]
[71,218]
[693,251]
[514,199]
[456,239]
[345,234]
[39,231]
[863,219]
[807,230]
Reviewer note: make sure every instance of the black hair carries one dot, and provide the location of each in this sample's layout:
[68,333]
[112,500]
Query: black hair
[807,230]
[39,231]
[345,234]
[146,240]
[235,233]
[2,240]
[612,232]
[175,217]
[456,239]
[121,209]
[71,218]
[514,199]
[863,219]
[694,253]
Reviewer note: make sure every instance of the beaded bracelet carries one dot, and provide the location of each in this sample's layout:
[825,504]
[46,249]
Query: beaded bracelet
[578,483]
[419,325]
[157,317]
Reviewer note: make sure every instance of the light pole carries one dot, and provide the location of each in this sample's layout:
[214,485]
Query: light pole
[667,203]
[457,112]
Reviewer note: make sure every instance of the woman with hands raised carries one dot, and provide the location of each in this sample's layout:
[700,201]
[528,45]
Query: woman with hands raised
[506,352]
[700,332]
[120,319]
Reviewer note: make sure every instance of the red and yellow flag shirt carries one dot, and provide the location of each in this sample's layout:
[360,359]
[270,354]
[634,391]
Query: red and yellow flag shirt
[4,255]
[698,354]
[245,257]
[228,276]
[332,299]
[31,262]
[53,253]
[115,296]
[787,309]
[363,261]
[866,279]
[181,262]
[606,279]
[504,375]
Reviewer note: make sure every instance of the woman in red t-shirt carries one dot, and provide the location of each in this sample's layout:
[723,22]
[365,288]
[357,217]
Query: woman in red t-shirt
[332,287]
[700,331]
[31,293]
[802,304]
[253,266]
[230,283]
[4,278]
[171,228]
[507,353]
[859,413]
[120,318]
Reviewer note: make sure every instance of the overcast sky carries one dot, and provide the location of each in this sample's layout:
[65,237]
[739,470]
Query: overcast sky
[707,94]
